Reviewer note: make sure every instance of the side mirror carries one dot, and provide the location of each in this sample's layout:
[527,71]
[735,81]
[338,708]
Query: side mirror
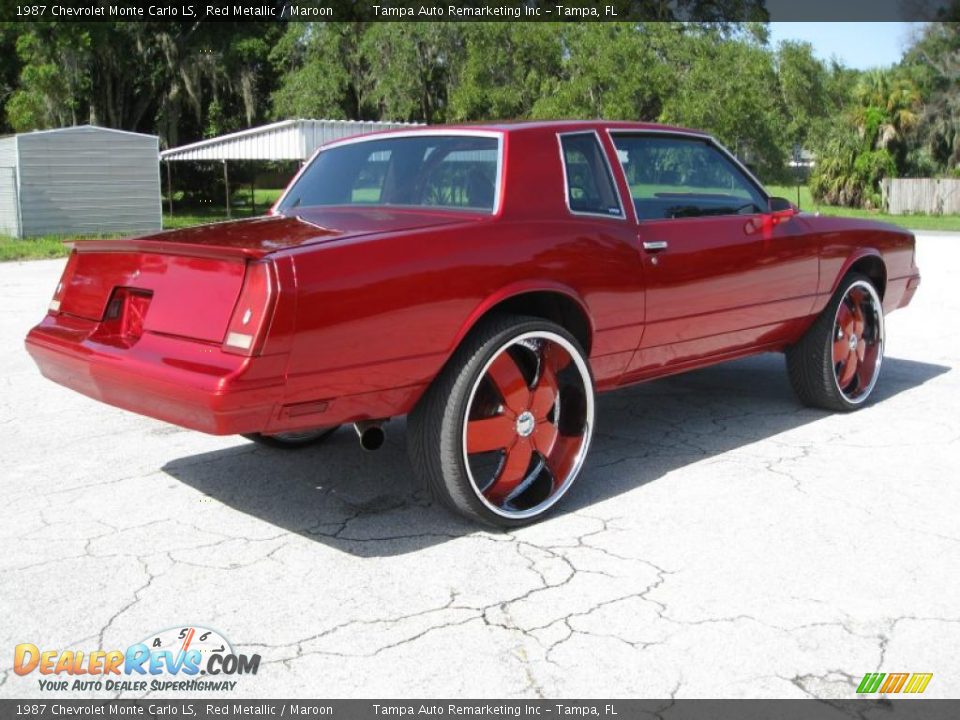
[779,210]
[782,207]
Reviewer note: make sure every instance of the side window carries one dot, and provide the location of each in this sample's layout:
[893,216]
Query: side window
[672,177]
[590,187]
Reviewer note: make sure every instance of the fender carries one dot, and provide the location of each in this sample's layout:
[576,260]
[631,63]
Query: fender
[514,290]
[856,256]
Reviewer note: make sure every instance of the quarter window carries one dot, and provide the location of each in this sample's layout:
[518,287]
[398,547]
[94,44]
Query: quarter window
[672,177]
[590,187]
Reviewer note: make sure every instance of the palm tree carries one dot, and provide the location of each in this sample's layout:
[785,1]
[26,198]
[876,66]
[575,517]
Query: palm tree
[939,52]
[888,109]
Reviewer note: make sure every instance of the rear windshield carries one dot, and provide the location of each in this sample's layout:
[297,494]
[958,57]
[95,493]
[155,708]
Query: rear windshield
[453,172]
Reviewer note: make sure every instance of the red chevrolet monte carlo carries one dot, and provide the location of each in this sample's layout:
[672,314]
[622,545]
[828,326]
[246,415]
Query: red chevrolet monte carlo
[487,281]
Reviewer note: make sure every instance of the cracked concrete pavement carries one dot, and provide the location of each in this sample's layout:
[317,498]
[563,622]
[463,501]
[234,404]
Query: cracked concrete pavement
[722,541]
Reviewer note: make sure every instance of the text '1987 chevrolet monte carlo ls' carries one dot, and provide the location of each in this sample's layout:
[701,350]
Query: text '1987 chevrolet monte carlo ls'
[486,281]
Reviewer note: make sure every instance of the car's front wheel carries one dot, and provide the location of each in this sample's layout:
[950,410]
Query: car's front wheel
[835,365]
[503,431]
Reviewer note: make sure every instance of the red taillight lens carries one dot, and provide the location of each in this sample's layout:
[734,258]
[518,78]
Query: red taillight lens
[65,278]
[251,316]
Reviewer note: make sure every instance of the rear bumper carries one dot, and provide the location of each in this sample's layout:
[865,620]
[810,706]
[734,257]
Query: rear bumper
[185,382]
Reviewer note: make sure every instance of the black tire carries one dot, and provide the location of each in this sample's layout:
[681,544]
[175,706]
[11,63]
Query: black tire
[437,429]
[815,373]
[293,440]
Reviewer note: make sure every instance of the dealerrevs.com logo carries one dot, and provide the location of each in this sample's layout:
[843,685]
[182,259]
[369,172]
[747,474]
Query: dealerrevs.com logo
[187,659]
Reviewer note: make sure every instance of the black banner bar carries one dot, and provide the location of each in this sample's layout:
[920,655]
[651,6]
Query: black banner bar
[477,10]
[907,709]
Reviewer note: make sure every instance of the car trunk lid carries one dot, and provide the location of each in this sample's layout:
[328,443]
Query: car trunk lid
[129,293]
[257,237]
[187,282]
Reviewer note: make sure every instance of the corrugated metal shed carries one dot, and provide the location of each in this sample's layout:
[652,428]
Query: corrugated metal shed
[285,140]
[79,180]
[9,207]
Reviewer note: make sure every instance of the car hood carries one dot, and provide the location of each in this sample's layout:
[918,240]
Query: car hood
[839,224]
[261,236]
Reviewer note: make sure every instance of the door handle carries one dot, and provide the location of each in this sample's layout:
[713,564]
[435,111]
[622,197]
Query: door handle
[655,245]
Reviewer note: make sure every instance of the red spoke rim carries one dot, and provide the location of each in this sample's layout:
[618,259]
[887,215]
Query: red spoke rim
[849,370]
[506,376]
[857,347]
[487,434]
[528,424]
[513,471]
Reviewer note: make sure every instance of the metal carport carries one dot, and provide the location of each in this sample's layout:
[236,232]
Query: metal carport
[284,140]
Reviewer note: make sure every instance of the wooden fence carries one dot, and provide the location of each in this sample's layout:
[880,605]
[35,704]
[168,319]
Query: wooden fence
[931,196]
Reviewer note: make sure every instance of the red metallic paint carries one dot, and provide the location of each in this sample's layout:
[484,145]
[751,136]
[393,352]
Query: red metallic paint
[372,301]
[191,295]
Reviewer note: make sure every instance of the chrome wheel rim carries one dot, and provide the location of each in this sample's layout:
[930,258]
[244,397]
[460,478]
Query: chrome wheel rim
[528,424]
[857,344]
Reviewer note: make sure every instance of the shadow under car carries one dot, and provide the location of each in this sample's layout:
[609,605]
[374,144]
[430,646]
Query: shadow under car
[322,491]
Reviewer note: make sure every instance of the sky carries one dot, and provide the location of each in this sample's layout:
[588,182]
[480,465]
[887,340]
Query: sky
[856,45]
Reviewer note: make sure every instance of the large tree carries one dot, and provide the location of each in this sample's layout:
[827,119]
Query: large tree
[730,87]
[9,69]
[868,141]
[151,77]
[934,64]
[804,92]
[324,73]
[415,84]
[54,80]
[367,71]
[611,70]
[506,68]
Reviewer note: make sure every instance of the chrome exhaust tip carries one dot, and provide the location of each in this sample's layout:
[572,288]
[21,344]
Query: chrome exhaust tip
[371,434]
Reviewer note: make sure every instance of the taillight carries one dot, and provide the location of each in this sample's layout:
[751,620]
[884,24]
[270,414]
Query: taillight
[65,278]
[251,316]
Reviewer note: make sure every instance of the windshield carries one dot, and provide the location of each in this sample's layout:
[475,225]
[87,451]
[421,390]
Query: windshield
[456,172]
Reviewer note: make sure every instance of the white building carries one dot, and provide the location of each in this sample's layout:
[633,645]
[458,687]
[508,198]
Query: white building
[279,141]
[79,180]
[284,140]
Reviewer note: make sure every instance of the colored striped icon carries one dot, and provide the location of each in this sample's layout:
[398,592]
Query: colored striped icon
[894,683]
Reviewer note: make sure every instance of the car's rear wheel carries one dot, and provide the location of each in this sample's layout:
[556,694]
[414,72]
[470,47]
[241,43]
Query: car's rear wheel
[836,364]
[503,431]
[292,440]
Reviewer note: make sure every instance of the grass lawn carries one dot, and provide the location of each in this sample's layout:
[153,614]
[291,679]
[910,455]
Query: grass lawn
[911,222]
[241,207]
[43,247]
[51,246]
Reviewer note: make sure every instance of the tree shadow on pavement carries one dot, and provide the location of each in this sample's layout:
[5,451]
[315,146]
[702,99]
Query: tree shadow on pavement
[370,505]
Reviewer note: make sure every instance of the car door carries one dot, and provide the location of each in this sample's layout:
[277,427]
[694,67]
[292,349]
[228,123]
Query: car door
[722,274]
[599,236]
